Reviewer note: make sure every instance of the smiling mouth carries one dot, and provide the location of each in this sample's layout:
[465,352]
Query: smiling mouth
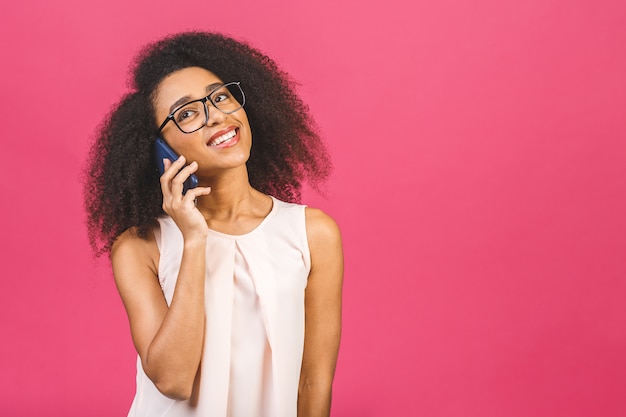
[224,139]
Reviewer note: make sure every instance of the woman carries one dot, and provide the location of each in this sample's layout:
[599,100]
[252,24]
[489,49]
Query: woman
[233,295]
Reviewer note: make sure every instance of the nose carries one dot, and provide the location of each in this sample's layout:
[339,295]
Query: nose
[214,115]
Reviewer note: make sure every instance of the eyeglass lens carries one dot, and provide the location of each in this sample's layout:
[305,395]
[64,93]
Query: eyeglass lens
[192,116]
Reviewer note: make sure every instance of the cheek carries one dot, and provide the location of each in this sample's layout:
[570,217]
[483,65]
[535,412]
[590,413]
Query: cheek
[185,146]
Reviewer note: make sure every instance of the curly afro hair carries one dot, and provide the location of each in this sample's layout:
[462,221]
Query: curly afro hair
[121,187]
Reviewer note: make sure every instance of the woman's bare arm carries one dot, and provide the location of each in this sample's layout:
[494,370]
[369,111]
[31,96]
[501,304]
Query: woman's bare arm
[168,340]
[322,315]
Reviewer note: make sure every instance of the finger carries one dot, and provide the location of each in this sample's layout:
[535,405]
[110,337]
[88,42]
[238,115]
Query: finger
[163,179]
[189,169]
[182,176]
[172,168]
[194,193]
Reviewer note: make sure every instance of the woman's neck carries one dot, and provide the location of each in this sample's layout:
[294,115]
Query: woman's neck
[231,197]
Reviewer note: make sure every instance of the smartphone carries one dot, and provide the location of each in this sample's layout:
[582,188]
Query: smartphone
[163,150]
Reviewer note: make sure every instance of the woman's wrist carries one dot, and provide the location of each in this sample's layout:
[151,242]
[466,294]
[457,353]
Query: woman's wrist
[195,240]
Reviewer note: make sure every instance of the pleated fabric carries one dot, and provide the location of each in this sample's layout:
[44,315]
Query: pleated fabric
[254,336]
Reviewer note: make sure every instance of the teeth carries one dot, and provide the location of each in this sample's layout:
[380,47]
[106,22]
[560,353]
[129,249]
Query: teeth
[224,138]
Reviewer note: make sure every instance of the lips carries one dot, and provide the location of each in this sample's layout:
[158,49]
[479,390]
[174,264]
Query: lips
[224,138]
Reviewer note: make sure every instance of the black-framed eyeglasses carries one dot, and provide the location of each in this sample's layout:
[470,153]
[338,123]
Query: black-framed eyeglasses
[227,98]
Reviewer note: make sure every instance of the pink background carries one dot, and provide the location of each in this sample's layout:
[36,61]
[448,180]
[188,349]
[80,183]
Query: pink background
[480,184]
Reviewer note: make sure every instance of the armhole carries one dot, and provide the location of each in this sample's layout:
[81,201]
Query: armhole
[158,237]
[306,251]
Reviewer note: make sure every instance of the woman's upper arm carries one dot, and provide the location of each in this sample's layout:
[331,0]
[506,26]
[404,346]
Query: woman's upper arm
[135,262]
[322,300]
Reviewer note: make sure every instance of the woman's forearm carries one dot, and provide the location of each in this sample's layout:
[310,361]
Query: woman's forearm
[314,399]
[174,354]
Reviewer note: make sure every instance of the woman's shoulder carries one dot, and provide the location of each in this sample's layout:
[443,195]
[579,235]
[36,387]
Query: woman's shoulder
[133,247]
[321,228]
[326,248]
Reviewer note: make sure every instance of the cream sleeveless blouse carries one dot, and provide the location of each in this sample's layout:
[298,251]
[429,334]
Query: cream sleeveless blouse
[254,303]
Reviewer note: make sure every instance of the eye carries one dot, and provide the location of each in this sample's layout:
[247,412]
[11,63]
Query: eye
[186,114]
[221,96]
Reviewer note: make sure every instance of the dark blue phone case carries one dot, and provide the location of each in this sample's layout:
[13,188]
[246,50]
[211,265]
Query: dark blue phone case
[163,150]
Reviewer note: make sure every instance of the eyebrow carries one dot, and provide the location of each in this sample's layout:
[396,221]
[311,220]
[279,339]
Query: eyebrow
[209,88]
